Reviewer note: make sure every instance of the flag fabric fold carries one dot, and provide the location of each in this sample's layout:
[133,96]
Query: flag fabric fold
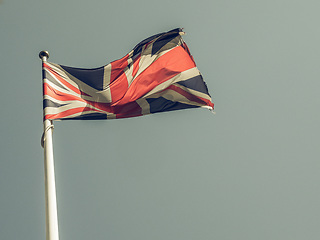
[158,75]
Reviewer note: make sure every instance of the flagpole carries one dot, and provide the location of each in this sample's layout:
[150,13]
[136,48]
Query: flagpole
[52,232]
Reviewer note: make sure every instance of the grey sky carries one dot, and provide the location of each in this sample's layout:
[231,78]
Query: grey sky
[249,172]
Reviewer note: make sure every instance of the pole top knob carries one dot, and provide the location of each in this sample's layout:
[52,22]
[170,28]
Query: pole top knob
[44,54]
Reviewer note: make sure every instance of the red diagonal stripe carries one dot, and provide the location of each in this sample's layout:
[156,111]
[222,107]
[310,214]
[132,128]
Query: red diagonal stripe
[64,82]
[56,94]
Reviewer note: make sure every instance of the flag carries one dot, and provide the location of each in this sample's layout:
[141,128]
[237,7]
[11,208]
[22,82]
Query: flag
[158,75]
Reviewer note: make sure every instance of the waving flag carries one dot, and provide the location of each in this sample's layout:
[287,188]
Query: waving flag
[158,75]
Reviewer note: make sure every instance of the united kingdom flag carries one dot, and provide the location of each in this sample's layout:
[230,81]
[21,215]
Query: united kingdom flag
[158,75]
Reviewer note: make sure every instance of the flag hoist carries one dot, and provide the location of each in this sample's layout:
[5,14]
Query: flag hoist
[52,232]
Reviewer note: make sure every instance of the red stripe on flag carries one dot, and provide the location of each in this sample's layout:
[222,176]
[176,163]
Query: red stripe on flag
[117,68]
[164,68]
[119,88]
[185,46]
[118,79]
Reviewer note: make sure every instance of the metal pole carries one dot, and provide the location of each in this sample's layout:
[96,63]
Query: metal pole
[52,232]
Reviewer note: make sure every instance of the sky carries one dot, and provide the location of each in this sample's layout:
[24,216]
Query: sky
[249,172]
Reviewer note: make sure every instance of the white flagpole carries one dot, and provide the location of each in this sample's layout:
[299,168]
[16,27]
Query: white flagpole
[52,232]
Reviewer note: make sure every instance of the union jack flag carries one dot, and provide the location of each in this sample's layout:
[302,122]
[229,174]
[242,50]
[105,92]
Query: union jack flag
[158,75]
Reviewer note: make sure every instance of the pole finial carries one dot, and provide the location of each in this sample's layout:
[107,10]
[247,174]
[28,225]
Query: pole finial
[44,54]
